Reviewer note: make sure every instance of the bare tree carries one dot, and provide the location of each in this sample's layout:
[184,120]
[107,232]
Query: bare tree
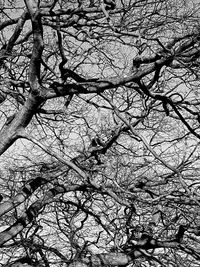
[99,139]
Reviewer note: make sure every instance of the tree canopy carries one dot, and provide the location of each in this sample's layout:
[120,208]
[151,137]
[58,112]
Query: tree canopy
[100,136]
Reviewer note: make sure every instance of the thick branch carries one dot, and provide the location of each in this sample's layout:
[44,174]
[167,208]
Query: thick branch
[30,215]
[35,64]
[14,129]
[104,259]
[11,132]
[6,51]
[21,196]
